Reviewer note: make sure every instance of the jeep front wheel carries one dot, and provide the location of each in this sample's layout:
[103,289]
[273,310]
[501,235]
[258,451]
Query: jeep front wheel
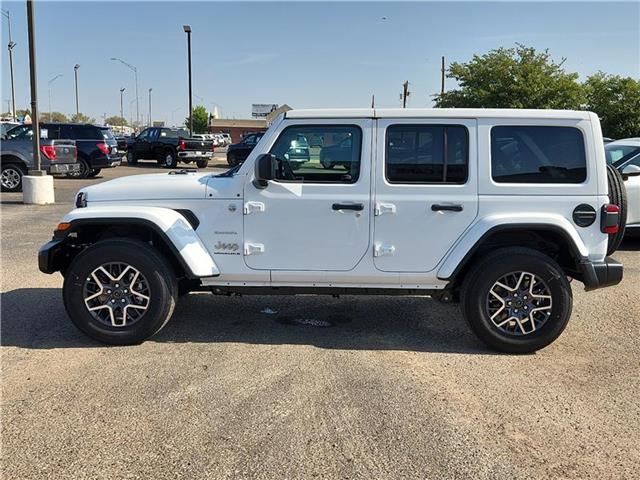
[516,300]
[120,291]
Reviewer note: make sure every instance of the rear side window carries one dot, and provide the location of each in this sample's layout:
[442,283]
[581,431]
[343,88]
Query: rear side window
[537,154]
[85,132]
[107,134]
[427,154]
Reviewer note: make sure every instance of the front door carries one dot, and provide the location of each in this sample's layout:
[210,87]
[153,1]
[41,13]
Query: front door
[311,217]
[425,191]
[142,145]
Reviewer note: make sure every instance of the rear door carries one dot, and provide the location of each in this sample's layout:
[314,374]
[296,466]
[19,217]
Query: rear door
[425,190]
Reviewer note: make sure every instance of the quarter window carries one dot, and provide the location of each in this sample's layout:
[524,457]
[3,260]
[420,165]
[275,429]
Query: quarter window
[537,154]
[426,154]
[318,154]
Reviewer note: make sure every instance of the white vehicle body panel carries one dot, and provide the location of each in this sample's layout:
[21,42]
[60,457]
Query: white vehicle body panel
[288,235]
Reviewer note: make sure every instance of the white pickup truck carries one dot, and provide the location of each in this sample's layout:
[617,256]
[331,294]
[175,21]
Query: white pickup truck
[496,209]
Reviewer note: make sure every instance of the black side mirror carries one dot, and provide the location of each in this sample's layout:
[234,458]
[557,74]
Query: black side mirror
[265,170]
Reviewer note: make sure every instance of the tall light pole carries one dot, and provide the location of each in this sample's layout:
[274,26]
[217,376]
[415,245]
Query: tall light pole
[49,84]
[10,46]
[131,110]
[75,73]
[150,106]
[121,109]
[187,30]
[172,112]
[135,74]
[35,123]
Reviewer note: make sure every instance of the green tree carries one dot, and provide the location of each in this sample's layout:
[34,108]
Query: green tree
[55,117]
[200,119]
[81,118]
[116,120]
[616,100]
[518,77]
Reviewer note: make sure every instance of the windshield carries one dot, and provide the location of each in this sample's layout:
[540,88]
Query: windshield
[617,154]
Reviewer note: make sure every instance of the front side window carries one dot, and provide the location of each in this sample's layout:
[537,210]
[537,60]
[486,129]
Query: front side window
[318,153]
[537,154]
[426,154]
[144,134]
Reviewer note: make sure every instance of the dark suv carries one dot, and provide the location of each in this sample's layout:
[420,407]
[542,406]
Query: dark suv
[97,147]
[238,152]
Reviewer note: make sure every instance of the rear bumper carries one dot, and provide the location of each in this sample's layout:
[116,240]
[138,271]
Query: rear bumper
[105,161]
[63,167]
[194,155]
[600,274]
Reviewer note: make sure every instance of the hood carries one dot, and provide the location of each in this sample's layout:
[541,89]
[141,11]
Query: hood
[150,187]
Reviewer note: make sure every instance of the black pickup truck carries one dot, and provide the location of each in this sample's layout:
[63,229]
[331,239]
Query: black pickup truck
[167,146]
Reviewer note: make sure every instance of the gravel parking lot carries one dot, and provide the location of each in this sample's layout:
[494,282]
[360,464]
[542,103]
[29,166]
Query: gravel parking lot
[236,387]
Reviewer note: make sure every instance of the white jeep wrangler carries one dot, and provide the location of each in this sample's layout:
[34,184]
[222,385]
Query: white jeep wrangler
[496,209]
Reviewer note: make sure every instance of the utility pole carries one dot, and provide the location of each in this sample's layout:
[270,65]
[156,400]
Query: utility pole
[150,106]
[121,109]
[187,30]
[405,93]
[49,84]
[75,72]
[373,101]
[442,76]
[10,46]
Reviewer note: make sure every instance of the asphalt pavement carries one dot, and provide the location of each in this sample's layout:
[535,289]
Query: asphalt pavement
[308,387]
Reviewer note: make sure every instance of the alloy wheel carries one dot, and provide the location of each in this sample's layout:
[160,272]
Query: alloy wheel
[10,178]
[519,303]
[116,294]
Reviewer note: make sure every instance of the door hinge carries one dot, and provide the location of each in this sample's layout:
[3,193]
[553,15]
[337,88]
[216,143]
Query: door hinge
[383,250]
[251,207]
[382,208]
[253,248]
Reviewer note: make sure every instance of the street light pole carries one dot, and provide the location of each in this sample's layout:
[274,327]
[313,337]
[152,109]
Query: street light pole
[135,74]
[187,30]
[10,46]
[49,84]
[35,123]
[150,106]
[121,109]
[75,72]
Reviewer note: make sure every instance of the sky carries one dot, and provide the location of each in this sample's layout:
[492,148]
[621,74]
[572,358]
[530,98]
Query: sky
[304,54]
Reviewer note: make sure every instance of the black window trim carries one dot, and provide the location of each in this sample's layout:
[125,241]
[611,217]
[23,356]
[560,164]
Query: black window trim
[353,182]
[584,144]
[444,148]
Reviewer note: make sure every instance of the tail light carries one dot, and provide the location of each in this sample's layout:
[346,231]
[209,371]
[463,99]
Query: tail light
[610,221]
[182,146]
[103,147]
[49,151]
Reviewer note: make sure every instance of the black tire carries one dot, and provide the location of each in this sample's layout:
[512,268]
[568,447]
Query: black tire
[11,177]
[94,172]
[163,290]
[617,196]
[231,159]
[202,163]
[84,171]
[132,158]
[169,159]
[483,276]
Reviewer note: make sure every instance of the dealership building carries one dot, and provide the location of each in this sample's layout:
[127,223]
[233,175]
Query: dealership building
[238,128]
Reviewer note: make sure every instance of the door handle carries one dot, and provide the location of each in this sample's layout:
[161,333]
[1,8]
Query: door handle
[446,208]
[348,206]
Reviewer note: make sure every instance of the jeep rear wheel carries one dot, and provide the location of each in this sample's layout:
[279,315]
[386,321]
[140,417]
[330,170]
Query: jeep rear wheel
[516,300]
[120,291]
